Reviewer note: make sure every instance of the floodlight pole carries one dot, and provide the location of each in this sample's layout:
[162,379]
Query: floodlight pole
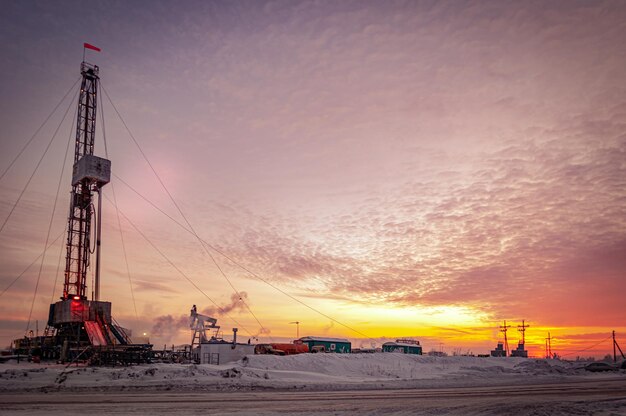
[297,328]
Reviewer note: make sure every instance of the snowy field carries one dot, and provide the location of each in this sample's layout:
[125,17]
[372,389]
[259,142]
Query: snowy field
[479,386]
[299,372]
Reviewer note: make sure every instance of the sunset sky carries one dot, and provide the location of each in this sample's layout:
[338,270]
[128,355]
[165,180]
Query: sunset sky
[408,168]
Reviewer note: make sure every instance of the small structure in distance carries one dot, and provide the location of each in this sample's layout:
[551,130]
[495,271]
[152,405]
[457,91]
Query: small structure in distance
[321,344]
[520,351]
[403,345]
[297,347]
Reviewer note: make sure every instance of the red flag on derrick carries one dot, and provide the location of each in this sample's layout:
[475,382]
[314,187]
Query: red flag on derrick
[90,46]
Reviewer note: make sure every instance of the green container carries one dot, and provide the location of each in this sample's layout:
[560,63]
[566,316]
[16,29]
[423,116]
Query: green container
[403,347]
[319,344]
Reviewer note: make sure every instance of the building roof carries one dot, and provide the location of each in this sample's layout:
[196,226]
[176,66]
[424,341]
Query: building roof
[324,339]
[401,344]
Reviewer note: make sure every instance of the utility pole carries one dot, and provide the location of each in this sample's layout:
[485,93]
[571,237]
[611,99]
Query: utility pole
[549,346]
[522,328]
[615,344]
[503,329]
[297,328]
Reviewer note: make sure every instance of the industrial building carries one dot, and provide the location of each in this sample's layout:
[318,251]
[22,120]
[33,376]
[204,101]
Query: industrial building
[405,346]
[320,344]
[499,351]
[218,352]
[519,351]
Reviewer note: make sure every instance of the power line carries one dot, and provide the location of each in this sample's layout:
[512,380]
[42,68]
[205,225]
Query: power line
[38,130]
[54,208]
[117,212]
[56,274]
[180,211]
[30,265]
[35,170]
[239,264]
[171,263]
[192,231]
[588,348]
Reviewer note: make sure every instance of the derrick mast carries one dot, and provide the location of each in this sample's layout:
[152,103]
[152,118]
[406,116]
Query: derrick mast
[80,322]
[78,327]
[83,185]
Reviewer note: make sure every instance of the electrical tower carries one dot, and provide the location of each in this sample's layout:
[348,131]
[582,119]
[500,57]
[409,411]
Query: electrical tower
[522,328]
[549,346]
[521,351]
[503,329]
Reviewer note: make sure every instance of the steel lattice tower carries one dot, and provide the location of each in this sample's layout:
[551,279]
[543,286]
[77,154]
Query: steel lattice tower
[81,207]
[79,327]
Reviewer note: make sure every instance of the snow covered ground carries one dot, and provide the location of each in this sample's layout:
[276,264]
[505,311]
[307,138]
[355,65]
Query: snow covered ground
[382,383]
[300,372]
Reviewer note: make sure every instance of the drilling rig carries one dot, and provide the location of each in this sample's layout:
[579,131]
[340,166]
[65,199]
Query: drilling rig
[79,328]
